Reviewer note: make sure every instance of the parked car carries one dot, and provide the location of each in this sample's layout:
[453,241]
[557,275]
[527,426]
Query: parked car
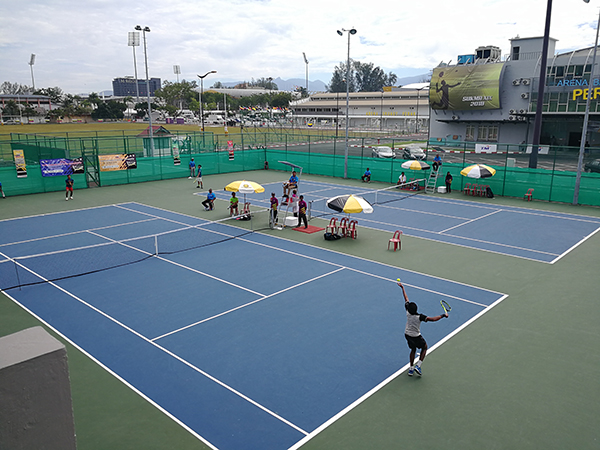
[383,152]
[413,151]
[592,166]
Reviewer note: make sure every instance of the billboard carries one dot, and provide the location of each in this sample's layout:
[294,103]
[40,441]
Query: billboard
[466,88]
[109,163]
[57,167]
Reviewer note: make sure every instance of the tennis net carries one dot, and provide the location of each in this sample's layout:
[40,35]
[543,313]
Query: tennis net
[54,266]
[318,207]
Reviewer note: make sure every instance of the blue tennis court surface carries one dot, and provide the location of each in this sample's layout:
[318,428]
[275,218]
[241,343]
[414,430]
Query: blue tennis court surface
[521,232]
[251,343]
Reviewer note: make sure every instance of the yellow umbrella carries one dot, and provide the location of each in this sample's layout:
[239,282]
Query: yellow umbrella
[349,204]
[245,187]
[415,165]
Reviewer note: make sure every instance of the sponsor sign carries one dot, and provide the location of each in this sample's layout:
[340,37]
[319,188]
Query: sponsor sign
[60,167]
[109,163]
[466,88]
[20,163]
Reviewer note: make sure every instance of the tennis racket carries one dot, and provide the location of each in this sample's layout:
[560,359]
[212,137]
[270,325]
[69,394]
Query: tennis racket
[446,306]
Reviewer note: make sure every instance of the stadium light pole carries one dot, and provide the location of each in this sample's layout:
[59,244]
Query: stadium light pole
[350,32]
[31,63]
[201,93]
[134,41]
[306,62]
[144,31]
[586,116]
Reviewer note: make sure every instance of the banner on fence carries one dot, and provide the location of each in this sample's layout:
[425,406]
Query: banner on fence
[20,164]
[117,162]
[230,148]
[58,167]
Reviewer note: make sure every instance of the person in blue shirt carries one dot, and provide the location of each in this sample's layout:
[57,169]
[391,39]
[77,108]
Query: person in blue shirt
[367,176]
[209,203]
[3,196]
[291,184]
[192,169]
[437,162]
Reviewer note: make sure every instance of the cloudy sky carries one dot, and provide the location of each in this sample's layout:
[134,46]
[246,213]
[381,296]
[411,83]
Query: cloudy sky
[81,45]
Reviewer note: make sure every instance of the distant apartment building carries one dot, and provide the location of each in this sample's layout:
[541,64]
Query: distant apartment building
[124,87]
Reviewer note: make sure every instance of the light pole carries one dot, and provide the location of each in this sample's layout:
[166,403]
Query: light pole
[537,124]
[381,113]
[306,61]
[31,63]
[144,31]
[202,92]
[350,32]
[585,119]
[134,41]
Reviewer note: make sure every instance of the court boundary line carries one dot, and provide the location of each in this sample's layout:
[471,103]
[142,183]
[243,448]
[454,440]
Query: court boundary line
[169,352]
[559,257]
[391,378]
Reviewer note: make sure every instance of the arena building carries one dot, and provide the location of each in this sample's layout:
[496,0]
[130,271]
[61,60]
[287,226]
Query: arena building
[488,99]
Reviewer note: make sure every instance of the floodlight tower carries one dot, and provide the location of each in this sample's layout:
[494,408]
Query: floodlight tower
[144,31]
[134,41]
[31,63]
[306,61]
[350,32]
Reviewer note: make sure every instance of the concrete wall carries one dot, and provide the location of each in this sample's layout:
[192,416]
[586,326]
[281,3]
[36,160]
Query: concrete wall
[35,393]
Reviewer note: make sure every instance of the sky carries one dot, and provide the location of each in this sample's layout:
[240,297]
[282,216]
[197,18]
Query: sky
[81,45]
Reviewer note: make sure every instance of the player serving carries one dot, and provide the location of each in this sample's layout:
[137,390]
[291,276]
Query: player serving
[412,333]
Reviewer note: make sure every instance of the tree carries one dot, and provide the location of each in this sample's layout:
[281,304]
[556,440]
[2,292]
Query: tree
[218,85]
[9,88]
[176,94]
[338,79]
[10,108]
[302,91]
[55,94]
[363,78]
[111,109]
[370,78]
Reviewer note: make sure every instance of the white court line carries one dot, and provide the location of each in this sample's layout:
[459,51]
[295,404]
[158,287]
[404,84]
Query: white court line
[244,305]
[197,369]
[388,380]
[75,232]
[575,246]
[470,221]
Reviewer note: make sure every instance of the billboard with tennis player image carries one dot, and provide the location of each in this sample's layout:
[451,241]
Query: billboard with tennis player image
[466,87]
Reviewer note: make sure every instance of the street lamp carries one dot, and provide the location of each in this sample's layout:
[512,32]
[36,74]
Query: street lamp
[202,92]
[31,63]
[144,31]
[585,119]
[134,41]
[350,33]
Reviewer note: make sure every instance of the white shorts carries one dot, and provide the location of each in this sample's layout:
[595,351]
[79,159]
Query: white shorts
[199,179]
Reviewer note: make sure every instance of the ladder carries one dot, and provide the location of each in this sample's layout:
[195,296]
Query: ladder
[432,180]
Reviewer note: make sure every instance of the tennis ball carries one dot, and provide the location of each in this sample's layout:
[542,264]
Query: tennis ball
[398,279]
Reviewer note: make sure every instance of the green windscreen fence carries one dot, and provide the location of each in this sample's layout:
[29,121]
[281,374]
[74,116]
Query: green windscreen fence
[169,158]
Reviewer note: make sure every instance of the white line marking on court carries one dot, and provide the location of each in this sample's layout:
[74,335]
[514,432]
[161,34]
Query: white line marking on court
[470,221]
[179,358]
[575,246]
[389,379]
[244,305]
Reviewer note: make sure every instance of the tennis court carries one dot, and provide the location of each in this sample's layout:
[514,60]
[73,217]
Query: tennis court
[247,340]
[542,236]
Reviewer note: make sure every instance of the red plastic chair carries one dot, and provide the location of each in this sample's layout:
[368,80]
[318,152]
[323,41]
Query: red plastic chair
[352,229]
[343,226]
[332,227]
[529,195]
[474,189]
[396,240]
[467,189]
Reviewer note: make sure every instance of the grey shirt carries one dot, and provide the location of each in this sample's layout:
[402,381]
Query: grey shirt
[413,324]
